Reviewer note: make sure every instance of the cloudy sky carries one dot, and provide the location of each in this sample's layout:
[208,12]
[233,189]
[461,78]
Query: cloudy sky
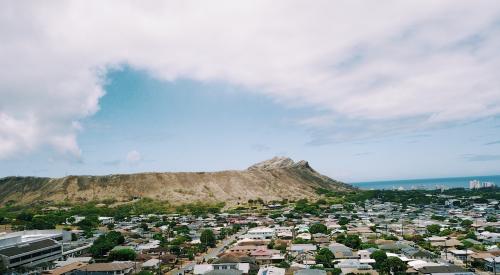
[364,90]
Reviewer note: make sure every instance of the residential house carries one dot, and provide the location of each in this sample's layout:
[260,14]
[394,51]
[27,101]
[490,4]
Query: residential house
[267,256]
[151,264]
[437,241]
[106,220]
[461,255]
[321,239]
[113,268]
[247,249]
[418,254]
[353,266]
[341,251]
[310,272]
[271,270]
[364,254]
[65,270]
[284,232]
[444,270]
[304,236]
[199,269]
[261,233]
[492,264]
[479,259]
[296,249]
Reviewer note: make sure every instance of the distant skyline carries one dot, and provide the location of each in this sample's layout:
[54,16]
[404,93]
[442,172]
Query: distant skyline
[364,91]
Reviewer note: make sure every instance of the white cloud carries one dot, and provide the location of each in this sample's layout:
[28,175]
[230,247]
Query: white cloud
[431,62]
[133,157]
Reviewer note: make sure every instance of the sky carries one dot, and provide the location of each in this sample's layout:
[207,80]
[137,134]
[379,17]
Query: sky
[363,90]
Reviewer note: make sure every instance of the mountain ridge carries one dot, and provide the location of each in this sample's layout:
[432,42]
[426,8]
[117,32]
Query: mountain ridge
[274,179]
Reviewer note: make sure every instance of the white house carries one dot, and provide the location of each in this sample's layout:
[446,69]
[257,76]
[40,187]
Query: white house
[106,220]
[261,232]
[271,270]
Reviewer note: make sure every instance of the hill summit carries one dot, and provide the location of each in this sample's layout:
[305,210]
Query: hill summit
[274,179]
[279,163]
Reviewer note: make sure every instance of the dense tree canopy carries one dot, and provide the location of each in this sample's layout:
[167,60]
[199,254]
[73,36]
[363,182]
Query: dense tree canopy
[126,254]
[104,243]
[208,238]
[433,229]
[324,256]
[318,228]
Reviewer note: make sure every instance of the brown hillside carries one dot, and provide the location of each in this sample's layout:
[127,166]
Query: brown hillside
[275,179]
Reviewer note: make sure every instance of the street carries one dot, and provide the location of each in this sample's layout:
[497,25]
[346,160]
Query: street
[211,253]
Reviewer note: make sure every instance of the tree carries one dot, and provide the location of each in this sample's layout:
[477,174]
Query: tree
[181,239]
[105,243]
[318,228]
[324,256]
[144,226]
[126,254]
[284,264]
[301,241]
[89,223]
[340,238]
[491,219]
[41,223]
[438,217]
[390,237]
[466,223]
[352,241]
[467,244]
[115,237]
[471,235]
[3,268]
[445,232]
[207,238]
[343,221]
[183,229]
[24,216]
[395,265]
[380,257]
[490,228]
[434,229]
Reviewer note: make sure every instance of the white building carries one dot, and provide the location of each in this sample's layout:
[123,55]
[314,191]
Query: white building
[271,270]
[76,218]
[106,220]
[475,184]
[32,247]
[200,269]
[151,264]
[261,232]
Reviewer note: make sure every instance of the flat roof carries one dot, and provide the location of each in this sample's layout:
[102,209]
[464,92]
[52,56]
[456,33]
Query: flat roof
[107,266]
[27,247]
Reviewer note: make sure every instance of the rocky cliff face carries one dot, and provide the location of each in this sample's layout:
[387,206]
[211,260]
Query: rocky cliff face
[274,179]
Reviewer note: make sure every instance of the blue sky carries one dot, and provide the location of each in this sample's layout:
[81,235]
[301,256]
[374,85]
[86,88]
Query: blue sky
[193,126]
[363,90]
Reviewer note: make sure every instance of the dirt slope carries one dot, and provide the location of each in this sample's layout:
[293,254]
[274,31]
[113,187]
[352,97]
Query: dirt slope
[274,179]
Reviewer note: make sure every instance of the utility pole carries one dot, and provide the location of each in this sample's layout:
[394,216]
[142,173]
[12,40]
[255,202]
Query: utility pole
[445,250]
[402,228]
[466,262]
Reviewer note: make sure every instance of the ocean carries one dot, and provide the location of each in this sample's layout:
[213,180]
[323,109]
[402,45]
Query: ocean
[426,183]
